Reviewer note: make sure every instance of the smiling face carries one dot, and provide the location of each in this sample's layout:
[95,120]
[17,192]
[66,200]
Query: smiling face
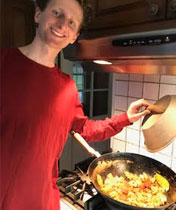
[59,23]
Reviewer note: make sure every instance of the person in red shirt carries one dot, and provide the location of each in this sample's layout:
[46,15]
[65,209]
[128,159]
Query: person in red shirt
[40,107]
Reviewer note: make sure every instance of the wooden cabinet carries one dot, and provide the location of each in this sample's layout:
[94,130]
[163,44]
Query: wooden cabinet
[119,13]
[123,16]
[17,22]
[171,9]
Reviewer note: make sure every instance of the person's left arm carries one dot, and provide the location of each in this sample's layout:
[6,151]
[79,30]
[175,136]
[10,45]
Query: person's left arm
[98,130]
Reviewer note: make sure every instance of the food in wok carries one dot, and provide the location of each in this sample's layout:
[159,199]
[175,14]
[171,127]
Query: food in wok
[141,190]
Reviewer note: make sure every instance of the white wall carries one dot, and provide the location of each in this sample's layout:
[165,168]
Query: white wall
[128,88]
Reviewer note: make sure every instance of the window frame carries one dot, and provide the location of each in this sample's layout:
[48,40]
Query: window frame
[91,90]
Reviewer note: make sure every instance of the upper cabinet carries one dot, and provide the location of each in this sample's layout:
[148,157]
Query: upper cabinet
[17,22]
[171,9]
[129,15]
[126,12]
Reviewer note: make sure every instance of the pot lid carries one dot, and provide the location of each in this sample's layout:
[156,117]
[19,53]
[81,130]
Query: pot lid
[159,130]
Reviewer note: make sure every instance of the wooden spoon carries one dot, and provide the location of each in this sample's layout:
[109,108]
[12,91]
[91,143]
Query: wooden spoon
[85,145]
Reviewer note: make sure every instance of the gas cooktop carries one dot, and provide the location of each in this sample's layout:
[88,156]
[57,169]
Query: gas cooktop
[78,193]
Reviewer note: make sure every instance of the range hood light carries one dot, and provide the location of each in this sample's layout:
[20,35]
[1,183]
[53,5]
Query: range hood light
[102,62]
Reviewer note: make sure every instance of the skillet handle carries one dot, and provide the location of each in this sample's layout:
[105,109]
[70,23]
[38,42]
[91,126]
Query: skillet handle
[83,142]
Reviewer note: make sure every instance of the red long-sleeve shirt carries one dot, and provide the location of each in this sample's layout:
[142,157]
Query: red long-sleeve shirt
[39,107]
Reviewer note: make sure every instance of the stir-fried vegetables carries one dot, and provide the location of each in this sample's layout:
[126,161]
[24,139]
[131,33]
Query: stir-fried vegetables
[137,190]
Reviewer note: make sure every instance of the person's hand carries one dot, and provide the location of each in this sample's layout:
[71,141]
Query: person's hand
[134,112]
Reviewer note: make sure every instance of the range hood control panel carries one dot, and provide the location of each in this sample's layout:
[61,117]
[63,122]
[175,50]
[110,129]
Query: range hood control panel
[147,40]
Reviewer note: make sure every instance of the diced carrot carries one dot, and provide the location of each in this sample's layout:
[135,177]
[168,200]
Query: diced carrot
[148,183]
[125,190]
[123,196]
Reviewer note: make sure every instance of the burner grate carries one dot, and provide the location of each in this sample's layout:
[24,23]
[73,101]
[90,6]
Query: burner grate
[76,186]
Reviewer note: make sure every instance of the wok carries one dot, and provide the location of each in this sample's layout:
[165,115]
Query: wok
[136,164]
[133,163]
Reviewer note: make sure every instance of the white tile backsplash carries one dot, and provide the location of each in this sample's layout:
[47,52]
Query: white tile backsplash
[136,77]
[133,136]
[132,148]
[135,89]
[136,125]
[121,88]
[130,100]
[129,88]
[116,112]
[168,79]
[167,90]
[118,145]
[121,103]
[121,135]
[151,78]
[167,150]
[122,76]
[151,91]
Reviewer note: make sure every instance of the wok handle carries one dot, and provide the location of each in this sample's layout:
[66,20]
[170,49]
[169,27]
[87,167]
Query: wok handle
[85,145]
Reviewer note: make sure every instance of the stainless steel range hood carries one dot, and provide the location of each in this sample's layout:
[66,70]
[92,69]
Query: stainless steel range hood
[152,52]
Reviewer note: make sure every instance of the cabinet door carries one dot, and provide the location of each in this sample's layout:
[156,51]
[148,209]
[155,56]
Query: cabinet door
[111,14]
[17,22]
[171,9]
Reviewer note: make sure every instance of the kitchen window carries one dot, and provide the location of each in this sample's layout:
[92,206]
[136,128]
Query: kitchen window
[94,91]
